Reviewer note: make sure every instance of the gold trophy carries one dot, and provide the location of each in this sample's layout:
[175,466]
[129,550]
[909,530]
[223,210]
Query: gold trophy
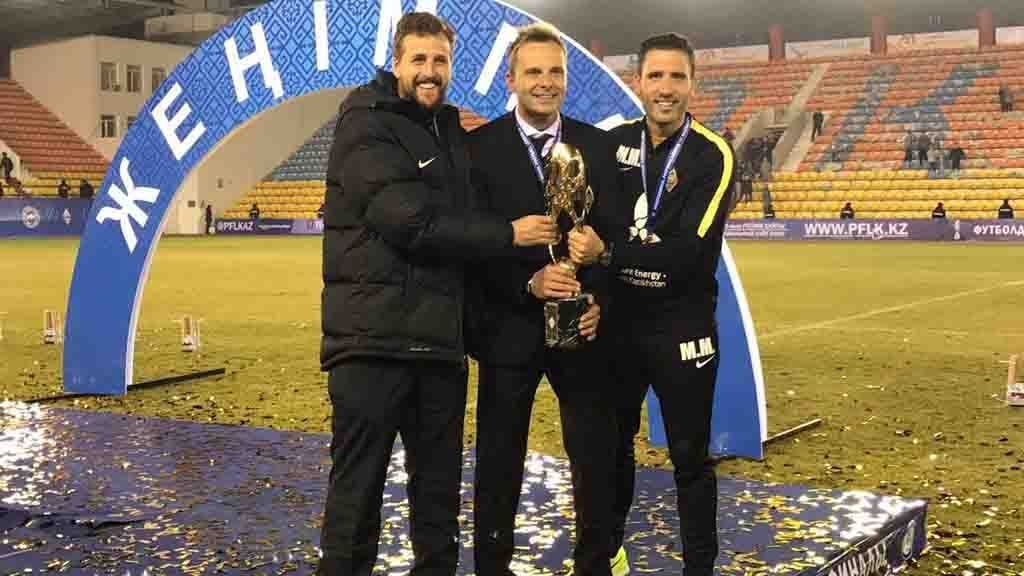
[568,199]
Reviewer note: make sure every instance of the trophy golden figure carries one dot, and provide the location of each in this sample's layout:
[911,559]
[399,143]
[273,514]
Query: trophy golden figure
[568,199]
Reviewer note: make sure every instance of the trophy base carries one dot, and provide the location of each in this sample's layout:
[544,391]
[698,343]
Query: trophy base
[562,322]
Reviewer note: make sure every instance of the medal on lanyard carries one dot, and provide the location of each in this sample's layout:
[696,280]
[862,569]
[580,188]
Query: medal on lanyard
[669,177]
[538,166]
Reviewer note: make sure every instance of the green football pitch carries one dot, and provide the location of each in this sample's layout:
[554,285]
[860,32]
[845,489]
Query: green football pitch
[899,347]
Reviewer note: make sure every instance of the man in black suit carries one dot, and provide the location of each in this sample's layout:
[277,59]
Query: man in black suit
[509,157]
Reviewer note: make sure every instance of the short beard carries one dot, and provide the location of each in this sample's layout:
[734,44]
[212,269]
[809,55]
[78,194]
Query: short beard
[409,93]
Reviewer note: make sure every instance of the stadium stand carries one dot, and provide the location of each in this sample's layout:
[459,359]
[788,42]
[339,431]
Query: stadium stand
[951,94]
[977,193]
[871,103]
[728,95]
[47,148]
[295,189]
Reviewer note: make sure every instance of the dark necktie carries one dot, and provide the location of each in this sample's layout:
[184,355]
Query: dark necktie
[538,142]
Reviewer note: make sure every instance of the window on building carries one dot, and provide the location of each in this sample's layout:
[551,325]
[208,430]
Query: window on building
[108,126]
[133,75]
[128,121]
[158,78]
[108,77]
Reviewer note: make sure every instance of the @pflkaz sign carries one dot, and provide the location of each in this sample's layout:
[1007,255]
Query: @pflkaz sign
[283,50]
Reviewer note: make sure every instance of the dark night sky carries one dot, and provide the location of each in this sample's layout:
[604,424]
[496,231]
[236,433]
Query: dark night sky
[622,24]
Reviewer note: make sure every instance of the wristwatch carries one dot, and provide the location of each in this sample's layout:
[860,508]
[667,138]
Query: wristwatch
[529,286]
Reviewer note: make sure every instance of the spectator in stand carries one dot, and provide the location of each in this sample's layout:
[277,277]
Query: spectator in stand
[819,122]
[19,189]
[7,165]
[1005,98]
[769,211]
[746,185]
[1005,210]
[254,212]
[728,135]
[769,152]
[63,189]
[754,156]
[847,212]
[934,154]
[939,212]
[208,217]
[924,143]
[85,190]
[909,143]
[837,151]
[750,154]
[956,155]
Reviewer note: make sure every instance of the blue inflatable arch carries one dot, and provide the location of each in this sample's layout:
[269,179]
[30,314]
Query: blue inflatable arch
[286,49]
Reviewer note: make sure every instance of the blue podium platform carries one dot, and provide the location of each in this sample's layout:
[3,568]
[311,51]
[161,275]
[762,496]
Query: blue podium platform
[98,493]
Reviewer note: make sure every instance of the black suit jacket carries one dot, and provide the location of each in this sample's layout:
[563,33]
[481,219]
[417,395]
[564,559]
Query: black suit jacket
[508,323]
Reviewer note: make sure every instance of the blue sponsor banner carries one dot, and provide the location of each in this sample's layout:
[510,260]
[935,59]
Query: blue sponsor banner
[43,216]
[839,230]
[262,226]
[991,230]
[919,230]
[269,226]
[308,226]
[279,51]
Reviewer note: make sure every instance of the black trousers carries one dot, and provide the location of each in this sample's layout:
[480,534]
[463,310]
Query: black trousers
[685,390]
[373,400]
[504,403]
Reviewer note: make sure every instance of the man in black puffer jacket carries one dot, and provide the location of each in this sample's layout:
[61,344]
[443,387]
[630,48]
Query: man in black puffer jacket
[398,232]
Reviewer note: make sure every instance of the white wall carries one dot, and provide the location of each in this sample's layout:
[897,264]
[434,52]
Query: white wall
[65,77]
[247,156]
[1010,35]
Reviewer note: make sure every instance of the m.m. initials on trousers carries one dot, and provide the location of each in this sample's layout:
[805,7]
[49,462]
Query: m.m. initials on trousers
[694,349]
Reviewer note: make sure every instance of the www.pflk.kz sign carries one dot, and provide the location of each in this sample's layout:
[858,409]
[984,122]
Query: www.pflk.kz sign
[284,50]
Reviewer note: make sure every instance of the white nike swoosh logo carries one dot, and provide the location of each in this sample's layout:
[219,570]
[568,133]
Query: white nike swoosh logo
[626,168]
[423,164]
[705,362]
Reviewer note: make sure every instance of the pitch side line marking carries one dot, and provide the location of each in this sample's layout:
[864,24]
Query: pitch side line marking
[890,309]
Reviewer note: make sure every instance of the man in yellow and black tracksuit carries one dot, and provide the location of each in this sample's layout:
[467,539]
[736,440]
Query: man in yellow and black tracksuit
[676,174]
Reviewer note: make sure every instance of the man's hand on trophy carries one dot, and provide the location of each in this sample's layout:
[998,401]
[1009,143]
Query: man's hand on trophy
[554,281]
[534,230]
[589,320]
[585,246]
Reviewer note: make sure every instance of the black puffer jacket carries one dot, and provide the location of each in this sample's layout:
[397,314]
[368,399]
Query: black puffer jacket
[398,230]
